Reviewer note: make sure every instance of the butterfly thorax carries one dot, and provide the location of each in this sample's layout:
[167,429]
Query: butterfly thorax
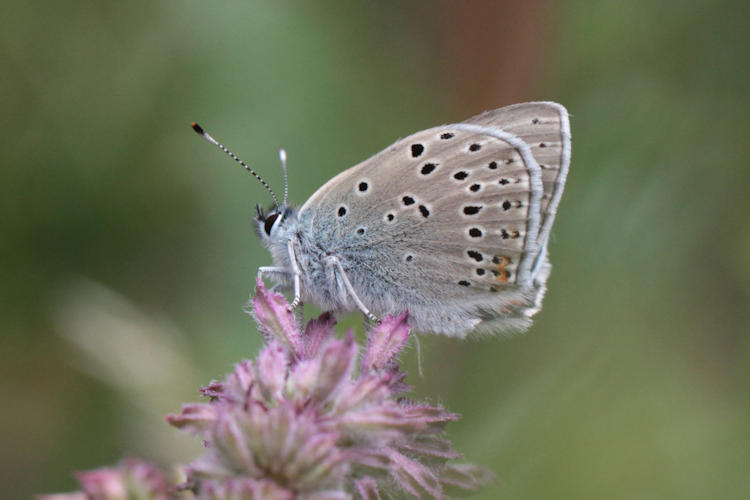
[316,260]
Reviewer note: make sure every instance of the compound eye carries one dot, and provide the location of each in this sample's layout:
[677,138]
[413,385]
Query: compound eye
[268,225]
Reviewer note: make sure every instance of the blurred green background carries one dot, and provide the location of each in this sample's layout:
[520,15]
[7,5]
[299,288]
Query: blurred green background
[127,249]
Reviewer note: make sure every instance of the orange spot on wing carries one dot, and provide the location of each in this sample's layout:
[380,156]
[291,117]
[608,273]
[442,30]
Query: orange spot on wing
[502,274]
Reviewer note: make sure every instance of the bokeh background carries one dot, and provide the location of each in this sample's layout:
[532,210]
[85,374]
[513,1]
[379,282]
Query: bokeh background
[127,250]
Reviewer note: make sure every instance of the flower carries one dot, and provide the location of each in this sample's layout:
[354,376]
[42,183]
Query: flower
[130,479]
[309,419]
[301,422]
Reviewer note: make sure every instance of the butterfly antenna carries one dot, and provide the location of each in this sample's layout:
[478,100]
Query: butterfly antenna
[282,157]
[216,143]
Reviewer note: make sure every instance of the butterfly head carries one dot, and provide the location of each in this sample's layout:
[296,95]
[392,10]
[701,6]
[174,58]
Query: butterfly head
[269,225]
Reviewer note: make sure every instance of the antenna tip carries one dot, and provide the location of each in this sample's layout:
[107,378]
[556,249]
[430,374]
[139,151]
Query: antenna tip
[197,128]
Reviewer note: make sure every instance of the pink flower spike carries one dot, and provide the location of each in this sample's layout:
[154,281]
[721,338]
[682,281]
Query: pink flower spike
[272,368]
[466,477]
[239,384]
[131,478]
[367,488]
[316,332]
[431,445]
[231,441]
[337,360]
[105,483]
[195,418]
[213,390]
[276,320]
[414,477]
[385,341]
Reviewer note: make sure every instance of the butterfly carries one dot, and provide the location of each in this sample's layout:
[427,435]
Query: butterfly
[450,224]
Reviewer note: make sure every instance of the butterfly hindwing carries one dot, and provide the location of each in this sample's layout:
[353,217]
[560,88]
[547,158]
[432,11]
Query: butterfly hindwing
[544,126]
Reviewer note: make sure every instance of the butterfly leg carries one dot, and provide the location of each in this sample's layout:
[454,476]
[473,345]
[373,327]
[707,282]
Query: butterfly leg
[270,269]
[297,274]
[273,269]
[350,289]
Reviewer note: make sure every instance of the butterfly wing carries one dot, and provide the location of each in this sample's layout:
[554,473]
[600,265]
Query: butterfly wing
[545,127]
[450,223]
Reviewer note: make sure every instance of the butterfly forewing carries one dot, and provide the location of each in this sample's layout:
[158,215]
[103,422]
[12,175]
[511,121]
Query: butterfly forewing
[448,209]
